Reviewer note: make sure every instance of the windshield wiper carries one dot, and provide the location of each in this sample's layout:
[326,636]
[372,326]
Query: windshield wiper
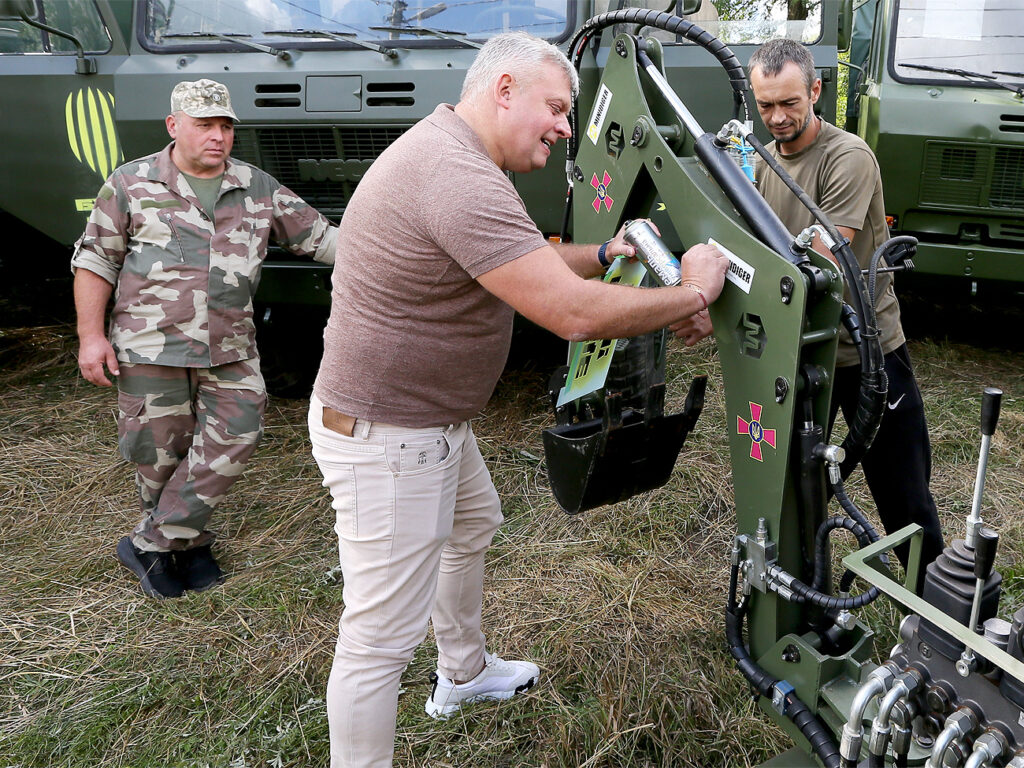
[458,37]
[966,74]
[344,37]
[236,37]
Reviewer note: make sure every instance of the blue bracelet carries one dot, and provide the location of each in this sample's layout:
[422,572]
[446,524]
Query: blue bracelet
[600,254]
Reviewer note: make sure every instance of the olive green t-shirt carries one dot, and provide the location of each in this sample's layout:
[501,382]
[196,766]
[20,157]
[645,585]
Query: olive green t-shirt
[207,190]
[839,173]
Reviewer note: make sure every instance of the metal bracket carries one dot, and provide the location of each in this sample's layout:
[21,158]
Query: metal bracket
[759,555]
[861,563]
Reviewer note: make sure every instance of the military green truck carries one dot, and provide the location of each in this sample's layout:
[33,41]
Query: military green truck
[321,87]
[939,96]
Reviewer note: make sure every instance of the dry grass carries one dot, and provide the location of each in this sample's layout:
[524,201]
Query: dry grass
[621,607]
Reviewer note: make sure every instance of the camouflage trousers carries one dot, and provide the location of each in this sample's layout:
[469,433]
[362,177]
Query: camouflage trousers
[189,432]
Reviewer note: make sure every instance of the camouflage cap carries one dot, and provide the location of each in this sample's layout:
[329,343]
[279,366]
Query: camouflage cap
[202,98]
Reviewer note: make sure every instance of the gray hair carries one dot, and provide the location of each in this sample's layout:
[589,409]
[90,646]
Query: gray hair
[519,54]
[776,54]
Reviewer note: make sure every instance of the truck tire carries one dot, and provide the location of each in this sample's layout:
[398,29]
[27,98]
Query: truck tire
[290,343]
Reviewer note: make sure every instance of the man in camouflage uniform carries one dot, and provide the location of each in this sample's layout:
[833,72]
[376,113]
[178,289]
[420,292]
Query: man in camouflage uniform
[179,237]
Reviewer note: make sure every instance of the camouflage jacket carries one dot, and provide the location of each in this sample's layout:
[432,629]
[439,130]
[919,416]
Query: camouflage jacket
[183,284]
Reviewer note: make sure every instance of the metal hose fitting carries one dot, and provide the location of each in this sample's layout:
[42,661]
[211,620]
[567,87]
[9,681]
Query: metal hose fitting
[959,724]
[904,686]
[988,748]
[878,683]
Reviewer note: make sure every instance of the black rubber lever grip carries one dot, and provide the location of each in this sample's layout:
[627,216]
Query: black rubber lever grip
[990,410]
[985,552]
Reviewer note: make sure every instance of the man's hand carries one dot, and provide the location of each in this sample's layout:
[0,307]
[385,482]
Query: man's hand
[704,266]
[693,328]
[618,246]
[93,353]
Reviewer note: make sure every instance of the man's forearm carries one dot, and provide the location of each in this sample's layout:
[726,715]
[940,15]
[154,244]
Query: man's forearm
[581,258]
[600,311]
[92,293]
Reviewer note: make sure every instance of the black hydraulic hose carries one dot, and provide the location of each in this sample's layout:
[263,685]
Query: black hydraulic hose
[822,550]
[874,385]
[760,217]
[876,761]
[677,25]
[759,679]
[804,593]
[847,581]
[566,216]
[842,250]
[853,511]
[813,729]
[876,257]
[659,20]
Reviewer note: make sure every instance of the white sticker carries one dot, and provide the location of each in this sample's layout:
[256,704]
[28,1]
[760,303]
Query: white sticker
[739,273]
[604,99]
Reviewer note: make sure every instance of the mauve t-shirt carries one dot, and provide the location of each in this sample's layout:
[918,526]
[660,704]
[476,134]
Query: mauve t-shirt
[413,339]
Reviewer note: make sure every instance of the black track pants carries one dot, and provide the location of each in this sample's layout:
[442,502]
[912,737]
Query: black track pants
[898,466]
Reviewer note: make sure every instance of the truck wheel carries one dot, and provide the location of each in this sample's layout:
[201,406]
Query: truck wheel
[290,343]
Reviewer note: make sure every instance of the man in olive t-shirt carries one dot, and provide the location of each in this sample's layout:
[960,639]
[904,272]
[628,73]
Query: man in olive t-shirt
[840,174]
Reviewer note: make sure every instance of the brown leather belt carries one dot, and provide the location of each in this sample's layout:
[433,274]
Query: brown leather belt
[339,422]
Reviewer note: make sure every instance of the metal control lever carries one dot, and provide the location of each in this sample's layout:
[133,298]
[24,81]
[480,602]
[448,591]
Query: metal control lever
[985,544]
[984,558]
[990,402]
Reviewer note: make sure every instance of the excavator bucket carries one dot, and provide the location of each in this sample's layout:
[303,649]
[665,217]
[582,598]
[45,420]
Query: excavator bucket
[624,452]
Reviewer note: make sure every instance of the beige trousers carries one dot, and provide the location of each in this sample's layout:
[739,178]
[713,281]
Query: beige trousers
[415,513]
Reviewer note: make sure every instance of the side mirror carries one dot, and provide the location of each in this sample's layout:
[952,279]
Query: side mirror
[844,31]
[686,7]
[17,9]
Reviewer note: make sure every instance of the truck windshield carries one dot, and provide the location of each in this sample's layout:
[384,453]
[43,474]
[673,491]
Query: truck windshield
[181,24]
[948,40]
[737,22]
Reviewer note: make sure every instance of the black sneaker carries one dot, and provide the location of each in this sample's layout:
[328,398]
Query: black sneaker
[197,568]
[155,570]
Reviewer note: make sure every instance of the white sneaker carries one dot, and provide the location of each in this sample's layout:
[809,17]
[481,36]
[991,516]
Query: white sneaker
[500,679]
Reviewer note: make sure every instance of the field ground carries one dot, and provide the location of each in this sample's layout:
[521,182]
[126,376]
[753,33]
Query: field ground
[621,607]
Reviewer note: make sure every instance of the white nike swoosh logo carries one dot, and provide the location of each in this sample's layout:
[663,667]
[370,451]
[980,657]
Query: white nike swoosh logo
[892,406]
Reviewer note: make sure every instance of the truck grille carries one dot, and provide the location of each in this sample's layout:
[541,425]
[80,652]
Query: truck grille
[1008,178]
[972,176]
[279,150]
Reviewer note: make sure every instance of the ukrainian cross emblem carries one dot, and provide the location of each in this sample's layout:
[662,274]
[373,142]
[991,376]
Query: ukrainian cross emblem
[758,434]
[601,186]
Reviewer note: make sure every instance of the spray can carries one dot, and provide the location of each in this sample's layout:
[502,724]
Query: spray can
[658,259]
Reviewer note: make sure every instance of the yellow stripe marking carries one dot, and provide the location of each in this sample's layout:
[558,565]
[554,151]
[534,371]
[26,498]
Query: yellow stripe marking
[96,126]
[83,133]
[108,121]
[68,117]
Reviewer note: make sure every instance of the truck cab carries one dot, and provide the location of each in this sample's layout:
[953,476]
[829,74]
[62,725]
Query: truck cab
[940,100]
[321,88]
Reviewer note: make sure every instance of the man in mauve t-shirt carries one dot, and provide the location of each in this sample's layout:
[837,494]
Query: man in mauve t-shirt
[435,254]
[840,174]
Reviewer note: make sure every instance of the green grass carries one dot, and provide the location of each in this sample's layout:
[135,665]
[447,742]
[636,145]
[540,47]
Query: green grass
[621,607]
